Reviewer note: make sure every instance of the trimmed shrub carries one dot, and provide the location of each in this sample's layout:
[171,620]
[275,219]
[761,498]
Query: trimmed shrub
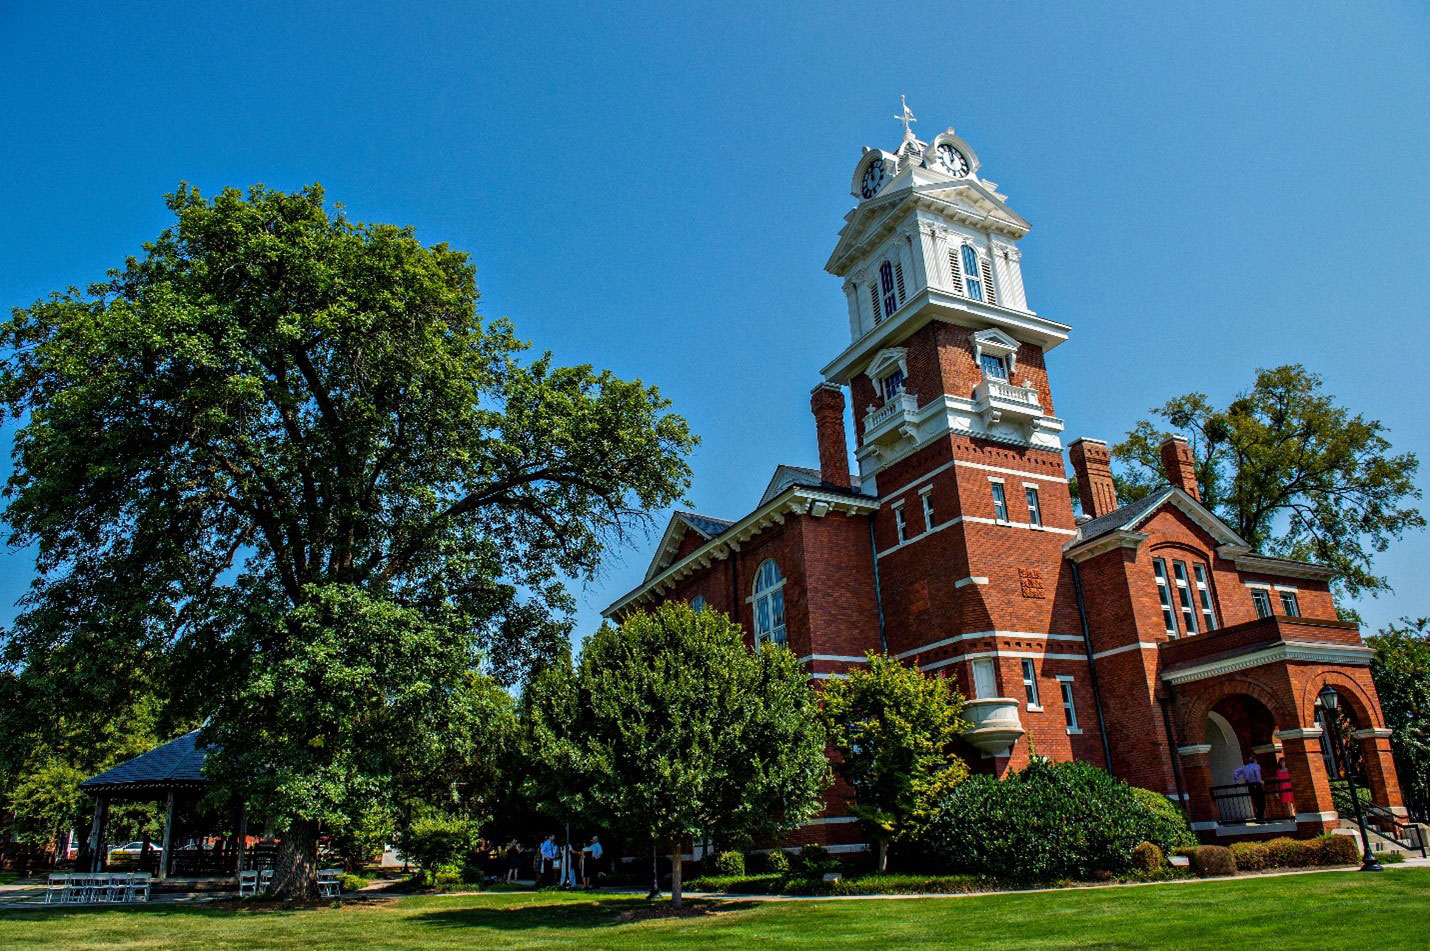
[1251,856]
[777,862]
[1171,826]
[353,883]
[1390,858]
[1048,822]
[813,861]
[1209,861]
[730,864]
[1148,858]
[1337,850]
[1290,853]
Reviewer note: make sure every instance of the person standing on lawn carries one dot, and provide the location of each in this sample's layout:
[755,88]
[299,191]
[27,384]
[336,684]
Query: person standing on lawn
[513,860]
[590,860]
[550,852]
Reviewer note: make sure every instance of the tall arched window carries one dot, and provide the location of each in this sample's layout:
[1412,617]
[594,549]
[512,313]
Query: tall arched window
[769,602]
[971,272]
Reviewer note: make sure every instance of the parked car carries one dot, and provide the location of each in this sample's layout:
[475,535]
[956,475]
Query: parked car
[133,849]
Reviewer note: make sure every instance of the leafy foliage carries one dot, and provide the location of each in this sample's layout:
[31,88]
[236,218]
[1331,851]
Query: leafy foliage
[1048,822]
[1170,822]
[892,727]
[1210,861]
[1401,670]
[438,839]
[278,454]
[1290,470]
[670,728]
[730,863]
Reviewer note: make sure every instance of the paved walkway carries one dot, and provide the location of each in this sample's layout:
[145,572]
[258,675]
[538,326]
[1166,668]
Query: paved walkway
[31,894]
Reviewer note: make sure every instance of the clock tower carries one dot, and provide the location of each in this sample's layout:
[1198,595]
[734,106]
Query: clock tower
[954,426]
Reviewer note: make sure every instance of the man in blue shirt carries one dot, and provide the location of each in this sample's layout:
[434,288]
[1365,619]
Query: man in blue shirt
[593,856]
[549,852]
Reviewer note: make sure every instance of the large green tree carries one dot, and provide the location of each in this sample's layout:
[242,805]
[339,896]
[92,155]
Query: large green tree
[277,454]
[670,728]
[1401,669]
[1291,470]
[892,727]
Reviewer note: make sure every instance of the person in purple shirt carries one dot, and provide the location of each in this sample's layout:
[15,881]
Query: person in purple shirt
[1250,774]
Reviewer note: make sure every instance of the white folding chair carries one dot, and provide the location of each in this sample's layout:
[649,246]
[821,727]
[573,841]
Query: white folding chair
[137,885]
[247,883]
[328,886]
[104,886]
[57,889]
[265,880]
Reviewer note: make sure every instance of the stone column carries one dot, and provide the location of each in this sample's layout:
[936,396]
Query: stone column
[1301,748]
[1380,769]
[1197,774]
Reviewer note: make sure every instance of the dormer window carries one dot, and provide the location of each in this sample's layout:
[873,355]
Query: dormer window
[996,353]
[889,372]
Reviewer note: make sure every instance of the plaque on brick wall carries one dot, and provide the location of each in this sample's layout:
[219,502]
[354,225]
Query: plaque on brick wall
[1030,580]
[919,597]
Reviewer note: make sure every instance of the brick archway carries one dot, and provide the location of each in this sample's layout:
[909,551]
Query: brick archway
[1207,694]
[1362,707]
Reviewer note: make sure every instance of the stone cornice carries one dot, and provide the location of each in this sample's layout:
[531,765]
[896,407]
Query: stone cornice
[1266,565]
[1104,543]
[796,500]
[1343,655]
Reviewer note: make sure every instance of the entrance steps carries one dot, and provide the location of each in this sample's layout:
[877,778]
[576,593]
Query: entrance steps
[1378,841]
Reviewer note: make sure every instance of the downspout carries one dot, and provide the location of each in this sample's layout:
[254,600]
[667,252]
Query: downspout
[1166,703]
[878,594]
[1091,666]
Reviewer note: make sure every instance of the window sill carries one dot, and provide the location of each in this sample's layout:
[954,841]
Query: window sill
[1074,731]
[1033,708]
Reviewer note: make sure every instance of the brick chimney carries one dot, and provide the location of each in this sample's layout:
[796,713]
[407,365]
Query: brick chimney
[826,401]
[1092,464]
[1181,467]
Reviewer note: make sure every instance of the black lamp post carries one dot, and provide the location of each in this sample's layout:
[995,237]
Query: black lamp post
[1329,702]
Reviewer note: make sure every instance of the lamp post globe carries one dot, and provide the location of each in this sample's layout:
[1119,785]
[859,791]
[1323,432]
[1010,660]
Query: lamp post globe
[1330,703]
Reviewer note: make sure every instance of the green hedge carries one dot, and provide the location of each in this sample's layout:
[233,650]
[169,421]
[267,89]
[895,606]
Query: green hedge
[1049,822]
[1295,853]
[860,885]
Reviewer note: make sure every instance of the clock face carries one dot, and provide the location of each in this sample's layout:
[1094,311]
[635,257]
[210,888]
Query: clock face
[952,159]
[873,180]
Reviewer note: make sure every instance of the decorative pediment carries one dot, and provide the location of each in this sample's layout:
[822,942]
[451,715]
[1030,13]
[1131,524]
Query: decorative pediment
[885,360]
[998,344]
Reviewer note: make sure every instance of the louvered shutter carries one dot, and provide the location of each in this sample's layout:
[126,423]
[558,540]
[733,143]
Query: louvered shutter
[874,300]
[899,279]
[954,272]
[987,267]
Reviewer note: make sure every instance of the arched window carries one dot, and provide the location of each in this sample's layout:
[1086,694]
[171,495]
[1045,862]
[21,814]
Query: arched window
[697,603]
[971,272]
[769,602]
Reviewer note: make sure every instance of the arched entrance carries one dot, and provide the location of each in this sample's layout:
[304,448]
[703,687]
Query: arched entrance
[1224,755]
[1240,739]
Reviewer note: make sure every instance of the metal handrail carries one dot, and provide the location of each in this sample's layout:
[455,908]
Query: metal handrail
[1406,831]
[1233,800]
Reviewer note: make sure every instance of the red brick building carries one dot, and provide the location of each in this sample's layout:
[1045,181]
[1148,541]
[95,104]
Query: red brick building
[1147,638]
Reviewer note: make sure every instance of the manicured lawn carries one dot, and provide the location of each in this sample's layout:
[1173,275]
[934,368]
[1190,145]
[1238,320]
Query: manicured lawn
[1322,911]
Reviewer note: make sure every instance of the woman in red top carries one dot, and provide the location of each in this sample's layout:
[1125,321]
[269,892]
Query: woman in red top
[1283,783]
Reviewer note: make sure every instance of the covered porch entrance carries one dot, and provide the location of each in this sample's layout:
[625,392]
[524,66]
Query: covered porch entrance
[1252,745]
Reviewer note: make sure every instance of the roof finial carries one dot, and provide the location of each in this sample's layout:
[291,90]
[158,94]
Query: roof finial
[906,117]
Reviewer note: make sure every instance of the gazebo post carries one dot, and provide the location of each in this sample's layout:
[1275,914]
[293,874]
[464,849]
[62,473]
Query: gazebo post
[242,836]
[96,831]
[168,831]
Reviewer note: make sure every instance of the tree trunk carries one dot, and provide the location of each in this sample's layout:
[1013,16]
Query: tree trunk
[675,874]
[654,870]
[883,855]
[295,870]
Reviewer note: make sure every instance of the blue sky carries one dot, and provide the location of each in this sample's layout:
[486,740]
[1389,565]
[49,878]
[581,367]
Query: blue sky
[1212,187]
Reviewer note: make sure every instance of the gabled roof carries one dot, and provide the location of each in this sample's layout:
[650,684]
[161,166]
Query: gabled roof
[706,526]
[1133,514]
[786,476]
[178,762]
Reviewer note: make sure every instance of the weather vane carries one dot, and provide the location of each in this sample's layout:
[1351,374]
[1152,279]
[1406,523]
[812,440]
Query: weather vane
[906,117]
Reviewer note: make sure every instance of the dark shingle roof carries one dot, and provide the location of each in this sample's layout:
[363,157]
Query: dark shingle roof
[1119,518]
[177,761]
[786,476]
[705,524]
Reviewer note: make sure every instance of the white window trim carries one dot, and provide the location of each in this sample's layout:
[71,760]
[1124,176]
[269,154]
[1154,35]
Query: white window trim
[1031,707]
[901,527]
[996,344]
[926,503]
[1070,704]
[1005,520]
